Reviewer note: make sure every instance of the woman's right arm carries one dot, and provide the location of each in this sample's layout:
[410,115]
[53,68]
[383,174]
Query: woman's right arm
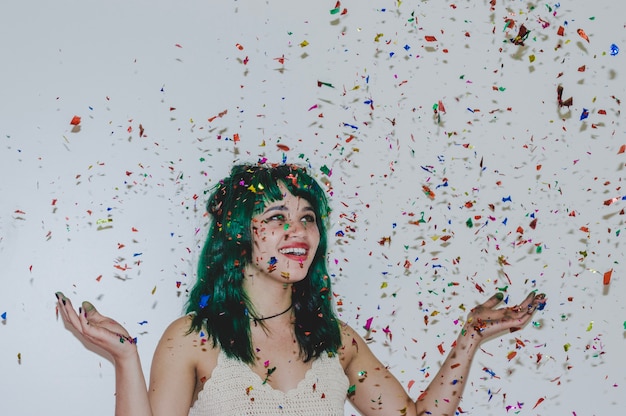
[173,373]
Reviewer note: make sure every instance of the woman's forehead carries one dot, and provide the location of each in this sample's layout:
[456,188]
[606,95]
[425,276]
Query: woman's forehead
[288,200]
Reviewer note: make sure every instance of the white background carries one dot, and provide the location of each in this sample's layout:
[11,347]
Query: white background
[171,94]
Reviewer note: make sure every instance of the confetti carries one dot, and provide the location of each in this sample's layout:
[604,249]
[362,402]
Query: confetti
[541,399]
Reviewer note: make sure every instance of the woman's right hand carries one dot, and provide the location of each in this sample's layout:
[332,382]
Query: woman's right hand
[97,329]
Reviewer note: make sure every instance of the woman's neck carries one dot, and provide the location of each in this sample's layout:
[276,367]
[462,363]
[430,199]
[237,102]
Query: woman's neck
[269,299]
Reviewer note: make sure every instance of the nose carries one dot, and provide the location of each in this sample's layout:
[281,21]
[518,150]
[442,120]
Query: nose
[294,228]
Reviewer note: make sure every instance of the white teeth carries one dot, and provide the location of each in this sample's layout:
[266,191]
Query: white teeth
[293,250]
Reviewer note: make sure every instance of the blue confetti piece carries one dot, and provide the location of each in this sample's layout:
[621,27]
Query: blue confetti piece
[614,49]
[4,316]
[584,114]
[204,300]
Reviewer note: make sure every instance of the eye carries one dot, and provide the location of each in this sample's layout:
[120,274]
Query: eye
[308,219]
[275,218]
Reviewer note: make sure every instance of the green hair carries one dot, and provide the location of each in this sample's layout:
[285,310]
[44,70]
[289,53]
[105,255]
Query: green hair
[218,303]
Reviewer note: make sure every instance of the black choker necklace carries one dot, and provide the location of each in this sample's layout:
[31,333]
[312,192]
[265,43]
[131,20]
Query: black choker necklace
[265,318]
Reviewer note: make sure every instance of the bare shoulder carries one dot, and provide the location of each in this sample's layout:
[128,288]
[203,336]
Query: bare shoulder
[183,360]
[189,346]
[351,342]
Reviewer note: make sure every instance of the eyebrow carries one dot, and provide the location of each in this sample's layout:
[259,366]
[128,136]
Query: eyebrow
[284,208]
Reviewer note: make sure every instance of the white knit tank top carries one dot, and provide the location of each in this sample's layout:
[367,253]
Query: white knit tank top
[235,390]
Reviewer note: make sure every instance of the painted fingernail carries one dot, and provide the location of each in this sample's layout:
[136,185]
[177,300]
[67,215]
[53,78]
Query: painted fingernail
[80,310]
[57,295]
[500,295]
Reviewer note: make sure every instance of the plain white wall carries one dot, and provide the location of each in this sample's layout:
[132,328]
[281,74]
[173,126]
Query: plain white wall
[171,94]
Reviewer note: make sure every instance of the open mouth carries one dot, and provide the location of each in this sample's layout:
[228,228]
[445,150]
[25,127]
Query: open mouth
[294,251]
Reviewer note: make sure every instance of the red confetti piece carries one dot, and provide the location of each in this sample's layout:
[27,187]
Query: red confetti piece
[411,383]
[541,399]
[75,121]
[220,115]
[430,38]
[429,193]
[283,147]
[622,149]
[511,355]
[582,34]
[560,31]
[607,277]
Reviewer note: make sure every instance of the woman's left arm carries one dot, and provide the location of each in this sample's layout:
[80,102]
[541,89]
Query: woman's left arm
[375,391]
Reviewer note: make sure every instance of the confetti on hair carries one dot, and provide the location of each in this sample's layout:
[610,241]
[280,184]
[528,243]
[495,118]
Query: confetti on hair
[204,301]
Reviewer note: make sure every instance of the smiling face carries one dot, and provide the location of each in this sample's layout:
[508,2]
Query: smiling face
[285,238]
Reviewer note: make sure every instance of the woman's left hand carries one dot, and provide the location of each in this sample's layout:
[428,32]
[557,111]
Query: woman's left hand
[486,320]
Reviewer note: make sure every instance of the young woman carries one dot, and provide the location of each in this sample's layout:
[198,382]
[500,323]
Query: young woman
[261,336]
